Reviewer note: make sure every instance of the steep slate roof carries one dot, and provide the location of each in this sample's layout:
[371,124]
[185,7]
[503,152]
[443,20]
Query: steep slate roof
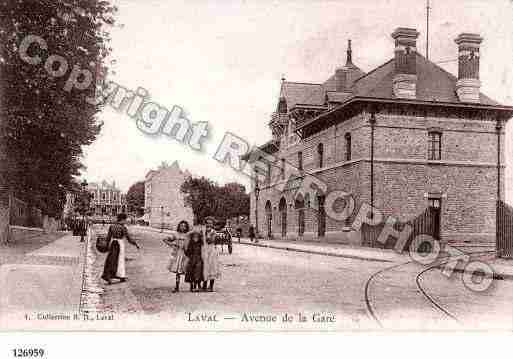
[299,93]
[102,185]
[330,84]
[433,83]
[334,96]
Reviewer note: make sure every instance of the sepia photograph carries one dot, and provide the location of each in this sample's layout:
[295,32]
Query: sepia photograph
[255,166]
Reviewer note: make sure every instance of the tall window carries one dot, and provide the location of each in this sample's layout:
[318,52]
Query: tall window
[268,173]
[435,203]
[283,168]
[435,146]
[348,146]
[300,160]
[320,154]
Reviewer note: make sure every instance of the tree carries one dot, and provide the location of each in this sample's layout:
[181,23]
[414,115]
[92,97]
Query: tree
[43,127]
[207,198]
[135,198]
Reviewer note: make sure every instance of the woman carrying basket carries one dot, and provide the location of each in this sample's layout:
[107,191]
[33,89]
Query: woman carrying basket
[115,263]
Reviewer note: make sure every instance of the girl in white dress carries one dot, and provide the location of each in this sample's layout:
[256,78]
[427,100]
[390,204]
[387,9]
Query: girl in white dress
[210,256]
[178,243]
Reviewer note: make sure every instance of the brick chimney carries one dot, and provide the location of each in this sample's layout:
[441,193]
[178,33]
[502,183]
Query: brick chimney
[405,79]
[468,84]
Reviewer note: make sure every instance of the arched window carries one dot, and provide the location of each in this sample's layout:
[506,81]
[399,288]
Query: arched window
[299,205]
[348,146]
[320,154]
[269,218]
[283,216]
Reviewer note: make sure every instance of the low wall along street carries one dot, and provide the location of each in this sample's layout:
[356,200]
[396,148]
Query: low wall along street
[18,219]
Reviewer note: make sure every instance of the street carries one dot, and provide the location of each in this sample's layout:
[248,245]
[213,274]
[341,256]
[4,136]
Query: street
[330,293]
[40,277]
[261,288]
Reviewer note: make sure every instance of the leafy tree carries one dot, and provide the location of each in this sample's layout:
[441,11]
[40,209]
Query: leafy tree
[207,198]
[43,127]
[135,198]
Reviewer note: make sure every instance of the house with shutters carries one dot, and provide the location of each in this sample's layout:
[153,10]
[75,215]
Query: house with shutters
[403,137]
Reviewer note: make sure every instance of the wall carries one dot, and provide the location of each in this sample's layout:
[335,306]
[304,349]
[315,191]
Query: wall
[4,218]
[465,178]
[166,199]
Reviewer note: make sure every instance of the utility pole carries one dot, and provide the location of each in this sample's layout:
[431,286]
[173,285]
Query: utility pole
[428,8]
[499,130]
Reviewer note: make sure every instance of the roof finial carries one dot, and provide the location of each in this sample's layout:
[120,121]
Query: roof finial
[349,53]
[282,78]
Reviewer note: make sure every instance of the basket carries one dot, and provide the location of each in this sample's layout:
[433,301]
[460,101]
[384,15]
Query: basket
[102,244]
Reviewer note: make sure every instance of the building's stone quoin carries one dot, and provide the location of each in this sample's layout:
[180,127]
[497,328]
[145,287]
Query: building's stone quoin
[435,143]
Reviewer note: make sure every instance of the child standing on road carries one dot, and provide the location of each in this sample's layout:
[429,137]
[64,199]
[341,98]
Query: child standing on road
[251,233]
[194,271]
[211,267]
[178,243]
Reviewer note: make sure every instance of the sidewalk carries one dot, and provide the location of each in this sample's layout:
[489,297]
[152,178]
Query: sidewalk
[42,275]
[328,249]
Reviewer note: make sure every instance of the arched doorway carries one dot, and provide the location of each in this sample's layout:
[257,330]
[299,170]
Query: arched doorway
[269,218]
[321,215]
[299,205]
[283,216]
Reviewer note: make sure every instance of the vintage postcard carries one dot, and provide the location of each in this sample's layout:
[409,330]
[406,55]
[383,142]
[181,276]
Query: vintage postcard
[275,166]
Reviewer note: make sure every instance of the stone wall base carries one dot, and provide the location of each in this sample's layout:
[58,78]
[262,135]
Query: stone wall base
[350,238]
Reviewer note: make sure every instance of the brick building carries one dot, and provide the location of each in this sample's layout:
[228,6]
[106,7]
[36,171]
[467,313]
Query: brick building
[106,200]
[163,202]
[426,137]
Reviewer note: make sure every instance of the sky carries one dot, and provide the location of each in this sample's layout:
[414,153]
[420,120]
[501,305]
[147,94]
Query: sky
[222,61]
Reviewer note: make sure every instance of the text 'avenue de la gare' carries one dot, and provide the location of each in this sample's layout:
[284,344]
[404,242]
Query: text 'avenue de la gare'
[246,317]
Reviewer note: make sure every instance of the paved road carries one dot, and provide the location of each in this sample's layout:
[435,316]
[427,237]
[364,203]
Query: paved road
[254,280]
[270,282]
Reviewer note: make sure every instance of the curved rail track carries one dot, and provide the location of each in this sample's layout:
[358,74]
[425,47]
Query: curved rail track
[371,309]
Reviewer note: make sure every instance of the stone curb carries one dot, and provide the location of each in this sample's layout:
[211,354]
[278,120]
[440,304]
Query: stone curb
[309,251]
[497,275]
[91,290]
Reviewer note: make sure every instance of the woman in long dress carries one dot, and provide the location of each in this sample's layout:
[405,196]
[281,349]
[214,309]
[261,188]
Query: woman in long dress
[178,243]
[115,262]
[211,267]
[194,271]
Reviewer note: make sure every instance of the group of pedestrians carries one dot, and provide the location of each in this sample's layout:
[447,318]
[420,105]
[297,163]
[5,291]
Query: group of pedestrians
[195,256]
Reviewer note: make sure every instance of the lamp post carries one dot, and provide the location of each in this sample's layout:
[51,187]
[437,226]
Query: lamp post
[84,209]
[257,193]
[372,122]
[161,219]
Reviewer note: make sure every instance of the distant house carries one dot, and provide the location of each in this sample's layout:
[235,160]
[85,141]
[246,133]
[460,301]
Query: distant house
[106,200]
[164,204]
